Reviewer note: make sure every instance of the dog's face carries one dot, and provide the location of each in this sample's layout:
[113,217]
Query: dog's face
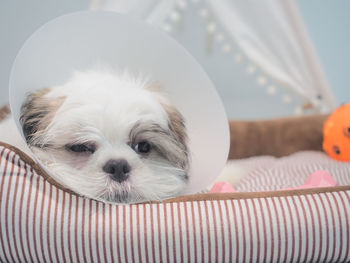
[108,137]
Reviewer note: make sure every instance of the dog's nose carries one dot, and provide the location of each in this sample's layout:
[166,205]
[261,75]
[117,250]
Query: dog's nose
[118,169]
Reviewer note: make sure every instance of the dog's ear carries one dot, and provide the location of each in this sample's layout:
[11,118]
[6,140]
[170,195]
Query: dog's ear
[36,114]
[177,129]
[176,121]
[176,124]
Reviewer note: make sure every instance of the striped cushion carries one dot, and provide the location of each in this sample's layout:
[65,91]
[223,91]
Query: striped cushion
[40,222]
[268,173]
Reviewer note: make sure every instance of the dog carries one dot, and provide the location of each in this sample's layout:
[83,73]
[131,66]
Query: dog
[108,136]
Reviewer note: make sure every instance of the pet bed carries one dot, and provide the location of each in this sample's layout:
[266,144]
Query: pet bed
[39,222]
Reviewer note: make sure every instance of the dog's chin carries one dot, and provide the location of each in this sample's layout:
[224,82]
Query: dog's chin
[149,181]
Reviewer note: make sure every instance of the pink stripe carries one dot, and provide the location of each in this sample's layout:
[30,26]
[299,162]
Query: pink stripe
[62,225]
[124,234]
[7,213]
[83,230]
[119,251]
[27,215]
[97,235]
[201,230]
[284,222]
[236,229]
[145,234]
[138,225]
[159,232]
[132,233]
[173,231]
[333,227]
[271,229]
[76,244]
[166,233]
[320,223]
[187,233]
[13,215]
[264,229]
[347,246]
[313,230]
[69,227]
[5,217]
[208,228]
[340,227]
[24,182]
[348,205]
[194,232]
[279,243]
[230,237]
[152,233]
[292,234]
[104,232]
[223,240]
[111,236]
[327,227]
[250,230]
[306,228]
[34,216]
[215,230]
[257,229]
[180,232]
[243,229]
[90,209]
[42,245]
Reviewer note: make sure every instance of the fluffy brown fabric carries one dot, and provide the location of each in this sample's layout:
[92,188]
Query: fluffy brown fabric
[277,137]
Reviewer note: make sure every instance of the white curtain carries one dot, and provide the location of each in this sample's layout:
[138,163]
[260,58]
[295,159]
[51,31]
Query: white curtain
[270,33]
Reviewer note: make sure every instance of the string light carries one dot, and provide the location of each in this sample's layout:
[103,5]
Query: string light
[226,48]
[287,99]
[167,27]
[261,80]
[219,37]
[204,13]
[211,27]
[175,16]
[251,69]
[271,90]
[238,57]
[182,4]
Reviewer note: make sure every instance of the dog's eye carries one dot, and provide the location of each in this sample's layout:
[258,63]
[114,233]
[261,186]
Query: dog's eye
[142,147]
[82,148]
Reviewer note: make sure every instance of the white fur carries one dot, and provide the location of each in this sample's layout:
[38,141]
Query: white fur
[103,107]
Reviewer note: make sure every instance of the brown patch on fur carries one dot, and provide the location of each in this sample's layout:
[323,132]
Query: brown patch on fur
[278,137]
[176,121]
[37,113]
[176,124]
[154,87]
[4,112]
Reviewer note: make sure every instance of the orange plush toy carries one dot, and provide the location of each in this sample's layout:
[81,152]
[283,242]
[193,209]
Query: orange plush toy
[336,134]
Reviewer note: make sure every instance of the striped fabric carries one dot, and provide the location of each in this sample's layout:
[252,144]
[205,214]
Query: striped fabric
[41,223]
[267,173]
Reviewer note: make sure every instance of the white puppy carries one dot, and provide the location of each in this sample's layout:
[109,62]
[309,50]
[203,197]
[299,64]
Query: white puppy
[109,137]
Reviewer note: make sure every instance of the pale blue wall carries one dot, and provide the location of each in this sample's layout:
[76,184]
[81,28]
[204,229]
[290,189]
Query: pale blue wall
[18,20]
[328,23]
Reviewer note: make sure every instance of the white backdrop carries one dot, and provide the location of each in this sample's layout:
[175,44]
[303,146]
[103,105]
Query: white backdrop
[247,92]
[269,33]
